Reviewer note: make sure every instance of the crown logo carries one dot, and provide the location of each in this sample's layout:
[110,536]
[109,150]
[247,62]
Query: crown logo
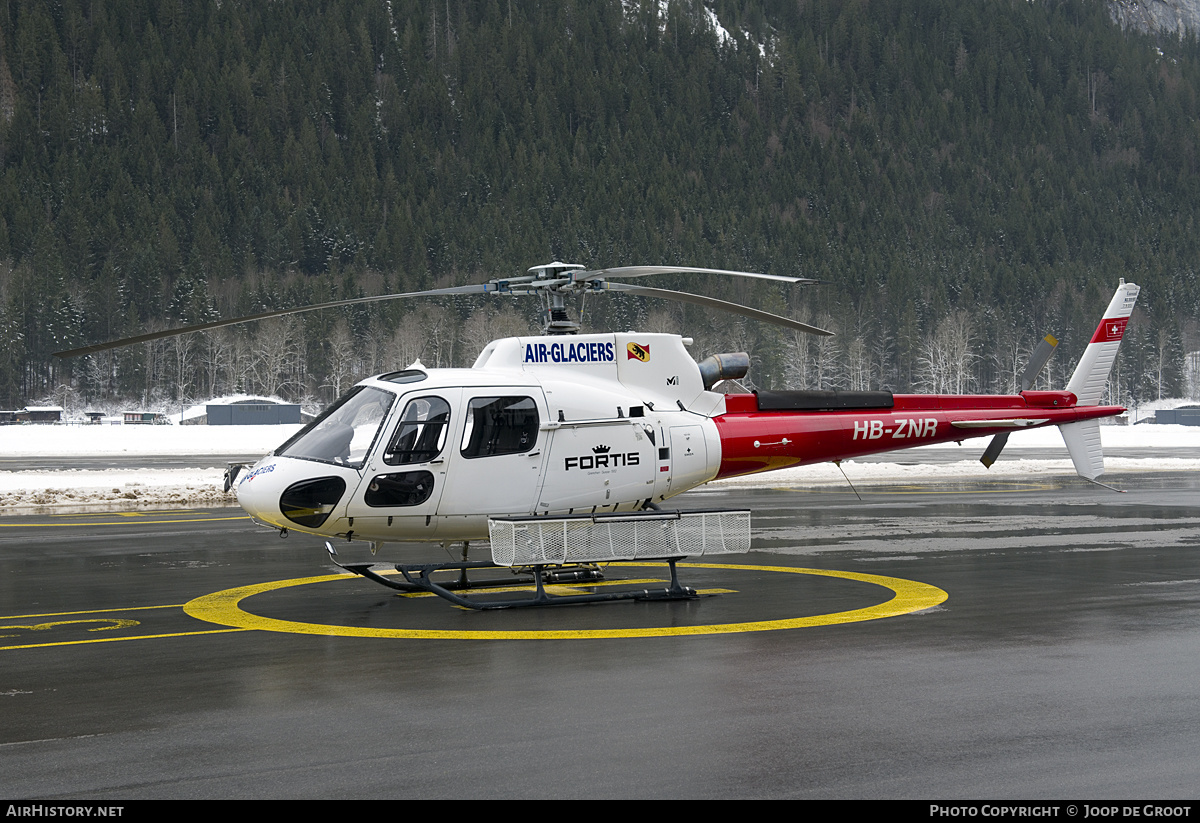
[601,449]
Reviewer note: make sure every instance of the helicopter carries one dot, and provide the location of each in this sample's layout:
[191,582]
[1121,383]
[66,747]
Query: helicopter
[559,448]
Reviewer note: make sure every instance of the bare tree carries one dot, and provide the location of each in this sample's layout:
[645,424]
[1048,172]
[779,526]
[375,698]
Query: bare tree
[795,369]
[438,325]
[182,347]
[1191,366]
[858,365]
[946,360]
[406,346]
[1009,358]
[242,364]
[344,363]
[1163,359]
[276,350]
[826,371]
[487,324]
[662,322]
[216,357]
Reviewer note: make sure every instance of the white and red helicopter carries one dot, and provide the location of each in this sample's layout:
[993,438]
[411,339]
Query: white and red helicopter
[560,447]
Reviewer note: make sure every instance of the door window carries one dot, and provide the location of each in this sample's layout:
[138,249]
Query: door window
[499,425]
[421,433]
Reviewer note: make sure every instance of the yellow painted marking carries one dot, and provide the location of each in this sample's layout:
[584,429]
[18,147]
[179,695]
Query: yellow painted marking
[118,639]
[122,623]
[551,588]
[224,608]
[118,522]
[143,513]
[89,611]
[114,623]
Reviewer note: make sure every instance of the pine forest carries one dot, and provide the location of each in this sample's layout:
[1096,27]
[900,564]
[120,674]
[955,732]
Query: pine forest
[964,176]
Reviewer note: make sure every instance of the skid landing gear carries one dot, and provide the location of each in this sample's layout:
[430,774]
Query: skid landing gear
[419,578]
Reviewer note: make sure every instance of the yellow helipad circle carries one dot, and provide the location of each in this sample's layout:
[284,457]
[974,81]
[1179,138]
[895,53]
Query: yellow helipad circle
[224,608]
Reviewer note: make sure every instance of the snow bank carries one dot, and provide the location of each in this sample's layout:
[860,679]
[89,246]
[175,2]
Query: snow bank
[125,489]
[112,490]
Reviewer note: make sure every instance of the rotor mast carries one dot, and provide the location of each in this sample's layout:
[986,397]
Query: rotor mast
[555,279]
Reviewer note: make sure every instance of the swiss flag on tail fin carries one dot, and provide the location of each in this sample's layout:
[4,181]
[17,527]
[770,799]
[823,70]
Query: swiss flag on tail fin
[1110,330]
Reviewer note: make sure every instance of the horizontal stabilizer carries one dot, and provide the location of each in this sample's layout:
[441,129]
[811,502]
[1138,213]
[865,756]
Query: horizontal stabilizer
[1006,423]
[1083,444]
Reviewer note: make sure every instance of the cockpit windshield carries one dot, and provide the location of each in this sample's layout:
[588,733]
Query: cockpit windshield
[344,433]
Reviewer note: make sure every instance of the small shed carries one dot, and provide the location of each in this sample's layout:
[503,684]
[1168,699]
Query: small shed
[1186,416]
[40,414]
[141,417]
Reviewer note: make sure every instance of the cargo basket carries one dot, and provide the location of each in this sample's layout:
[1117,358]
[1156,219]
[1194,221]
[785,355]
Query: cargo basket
[654,535]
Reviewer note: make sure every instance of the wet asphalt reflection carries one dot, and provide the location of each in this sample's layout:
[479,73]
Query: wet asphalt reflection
[1064,663]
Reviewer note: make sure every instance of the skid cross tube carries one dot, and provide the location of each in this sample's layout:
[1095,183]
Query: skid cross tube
[418,579]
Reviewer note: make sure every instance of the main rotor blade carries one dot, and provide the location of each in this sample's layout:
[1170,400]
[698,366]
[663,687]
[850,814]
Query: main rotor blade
[646,271]
[709,302]
[216,324]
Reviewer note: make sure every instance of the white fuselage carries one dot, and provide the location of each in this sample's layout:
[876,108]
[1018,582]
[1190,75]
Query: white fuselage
[539,425]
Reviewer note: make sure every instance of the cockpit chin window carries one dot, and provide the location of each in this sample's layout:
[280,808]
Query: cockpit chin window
[345,432]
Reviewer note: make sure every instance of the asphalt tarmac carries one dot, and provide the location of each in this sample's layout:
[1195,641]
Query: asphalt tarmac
[1062,663]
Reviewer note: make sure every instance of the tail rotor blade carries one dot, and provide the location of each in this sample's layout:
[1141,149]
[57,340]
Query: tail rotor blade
[1037,361]
[993,450]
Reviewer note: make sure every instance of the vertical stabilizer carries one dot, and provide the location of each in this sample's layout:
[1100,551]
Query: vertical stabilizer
[1087,383]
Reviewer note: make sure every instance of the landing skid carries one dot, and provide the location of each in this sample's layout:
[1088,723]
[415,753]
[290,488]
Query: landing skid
[419,578]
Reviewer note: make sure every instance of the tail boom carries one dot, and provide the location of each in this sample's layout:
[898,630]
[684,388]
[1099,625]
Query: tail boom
[776,430]
[756,441]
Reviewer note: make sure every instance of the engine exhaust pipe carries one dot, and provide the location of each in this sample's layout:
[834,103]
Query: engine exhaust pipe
[729,366]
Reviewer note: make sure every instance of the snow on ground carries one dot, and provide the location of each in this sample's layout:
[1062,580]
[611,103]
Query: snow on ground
[100,440]
[122,489]
[77,490]
[111,490]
